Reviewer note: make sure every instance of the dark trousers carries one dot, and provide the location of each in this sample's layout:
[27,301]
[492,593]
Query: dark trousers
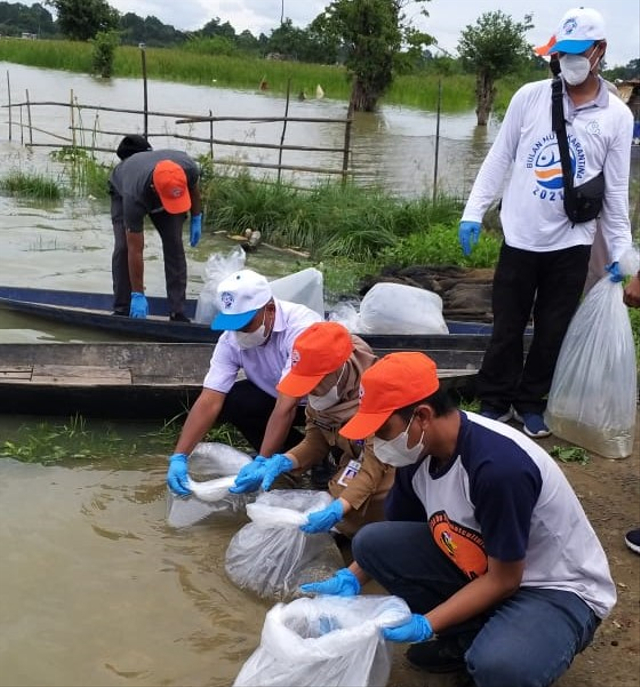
[528,639]
[175,264]
[248,408]
[551,283]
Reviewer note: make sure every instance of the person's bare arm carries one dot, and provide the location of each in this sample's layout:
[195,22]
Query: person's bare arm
[279,424]
[202,416]
[500,582]
[135,250]
[632,292]
[196,200]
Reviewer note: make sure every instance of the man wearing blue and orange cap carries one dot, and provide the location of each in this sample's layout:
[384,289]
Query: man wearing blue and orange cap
[485,539]
[544,259]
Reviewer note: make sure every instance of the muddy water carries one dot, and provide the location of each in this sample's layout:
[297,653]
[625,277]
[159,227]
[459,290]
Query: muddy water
[97,590]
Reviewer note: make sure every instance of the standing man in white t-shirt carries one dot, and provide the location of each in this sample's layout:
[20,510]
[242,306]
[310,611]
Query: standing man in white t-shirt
[544,258]
[259,334]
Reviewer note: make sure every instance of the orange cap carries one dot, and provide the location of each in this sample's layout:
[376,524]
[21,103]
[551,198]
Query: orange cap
[546,49]
[170,183]
[317,352]
[394,382]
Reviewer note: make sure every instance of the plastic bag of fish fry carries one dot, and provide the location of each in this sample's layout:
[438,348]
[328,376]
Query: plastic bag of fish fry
[212,470]
[270,555]
[326,640]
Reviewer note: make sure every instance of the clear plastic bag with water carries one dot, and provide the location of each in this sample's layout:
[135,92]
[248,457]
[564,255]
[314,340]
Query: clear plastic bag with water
[217,267]
[270,556]
[326,640]
[593,396]
[212,470]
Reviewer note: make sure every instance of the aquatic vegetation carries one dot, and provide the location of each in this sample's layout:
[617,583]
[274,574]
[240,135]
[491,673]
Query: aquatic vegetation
[32,185]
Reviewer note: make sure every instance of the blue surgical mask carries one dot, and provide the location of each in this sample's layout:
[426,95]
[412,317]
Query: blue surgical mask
[396,452]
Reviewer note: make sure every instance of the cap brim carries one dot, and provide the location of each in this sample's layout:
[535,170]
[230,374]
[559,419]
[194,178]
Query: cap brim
[298,385]
[177,206]
[363,425]
[547,49]
[225,322]
[572,47]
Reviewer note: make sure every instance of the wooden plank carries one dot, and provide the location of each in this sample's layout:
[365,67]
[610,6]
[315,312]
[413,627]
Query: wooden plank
[80,375]
[15,373]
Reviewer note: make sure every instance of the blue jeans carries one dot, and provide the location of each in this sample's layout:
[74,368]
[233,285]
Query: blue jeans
[529,640]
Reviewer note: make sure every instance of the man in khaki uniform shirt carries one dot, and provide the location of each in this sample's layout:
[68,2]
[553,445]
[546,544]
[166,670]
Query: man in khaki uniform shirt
[326,365]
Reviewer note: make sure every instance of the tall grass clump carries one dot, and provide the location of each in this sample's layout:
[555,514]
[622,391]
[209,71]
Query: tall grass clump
[27,185]
[328,221]
[83,173]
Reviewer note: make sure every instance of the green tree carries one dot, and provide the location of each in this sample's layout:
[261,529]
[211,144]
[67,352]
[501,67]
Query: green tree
[493,48]
[82,19]
[104,49]
[372,34]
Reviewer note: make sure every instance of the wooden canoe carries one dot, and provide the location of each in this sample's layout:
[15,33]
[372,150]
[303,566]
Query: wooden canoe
[140,380]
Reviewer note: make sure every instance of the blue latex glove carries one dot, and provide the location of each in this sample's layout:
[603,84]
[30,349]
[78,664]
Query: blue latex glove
[195,230]
[139,306]
[614,271]
[250,476]
[468,235]
[323,520]
[275,466]
[343,583]
[177,477]
[418,629]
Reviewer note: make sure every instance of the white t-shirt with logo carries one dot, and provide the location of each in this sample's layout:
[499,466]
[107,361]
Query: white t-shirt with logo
[533,217]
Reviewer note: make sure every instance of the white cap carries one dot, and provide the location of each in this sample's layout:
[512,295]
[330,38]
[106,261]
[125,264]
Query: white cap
[240,296]
[578,30]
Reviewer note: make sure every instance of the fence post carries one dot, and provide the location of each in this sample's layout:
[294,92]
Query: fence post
[29,117]
[9,101]
[347,143]
[211,137]
[437,151]
[284,129]
[21,128]
[145,107]
[73,123]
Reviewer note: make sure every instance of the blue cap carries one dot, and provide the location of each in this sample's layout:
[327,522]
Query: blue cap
[222,321]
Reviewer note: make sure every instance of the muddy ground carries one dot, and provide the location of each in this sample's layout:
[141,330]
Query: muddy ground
[610,493]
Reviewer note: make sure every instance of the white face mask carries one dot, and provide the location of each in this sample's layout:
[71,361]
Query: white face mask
[395,452]
[575,69]
[246,340]
[328,400]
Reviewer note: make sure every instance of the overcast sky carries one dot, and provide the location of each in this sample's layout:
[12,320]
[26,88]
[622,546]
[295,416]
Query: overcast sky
[446,17]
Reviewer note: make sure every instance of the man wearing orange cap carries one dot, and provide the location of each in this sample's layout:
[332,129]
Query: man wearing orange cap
[485,539]
[162,184]
[327,364]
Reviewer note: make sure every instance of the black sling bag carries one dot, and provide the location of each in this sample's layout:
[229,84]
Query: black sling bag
[581,203]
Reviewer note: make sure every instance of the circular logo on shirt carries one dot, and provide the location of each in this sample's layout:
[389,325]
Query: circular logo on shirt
[548,166]
[227,299]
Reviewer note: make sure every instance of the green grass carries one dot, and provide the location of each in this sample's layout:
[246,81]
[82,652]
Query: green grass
[421,91]
[76,439]
[31,185]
